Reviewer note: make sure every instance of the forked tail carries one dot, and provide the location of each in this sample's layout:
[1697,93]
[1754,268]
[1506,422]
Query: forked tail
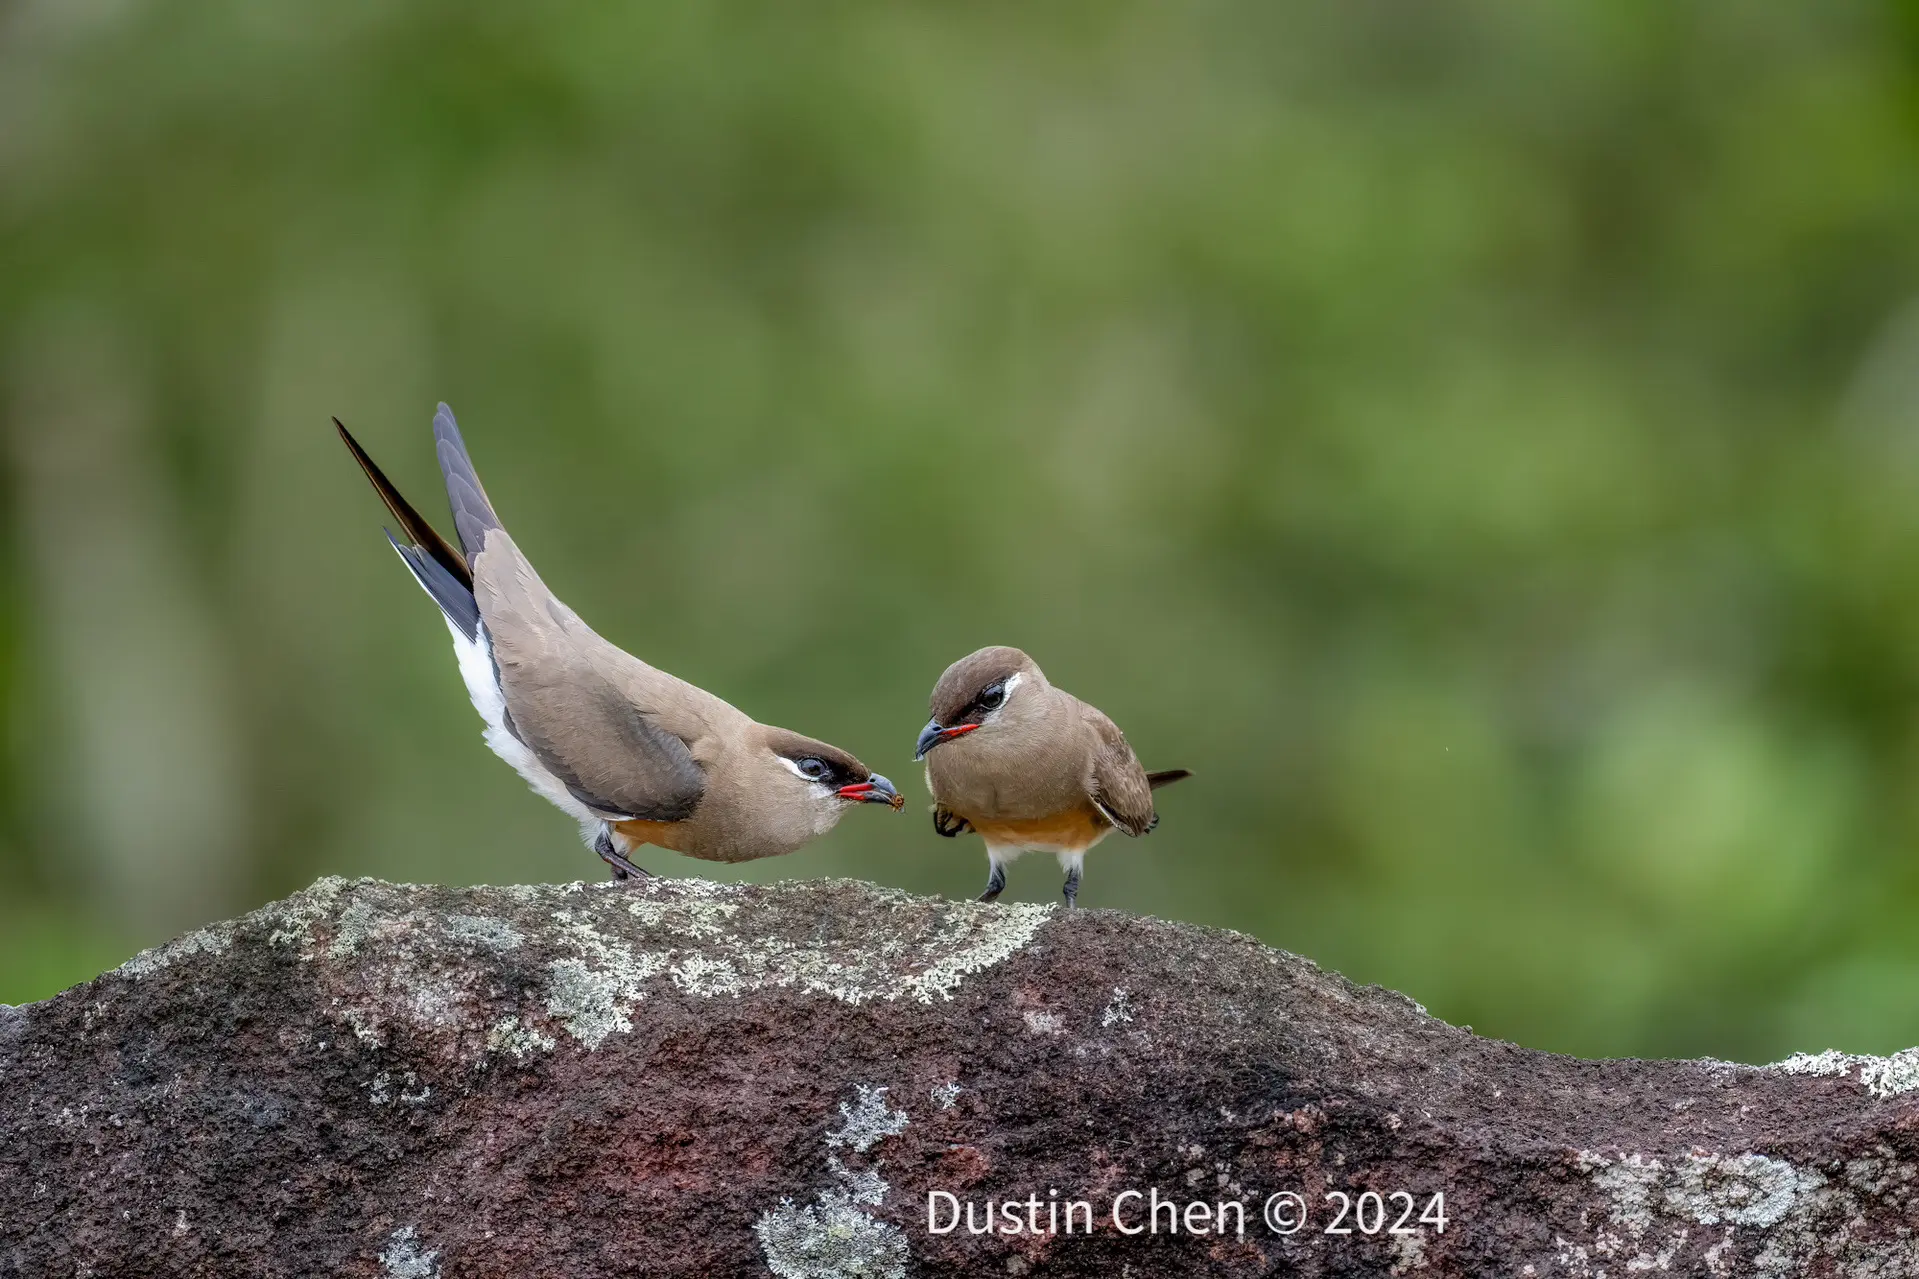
[440,570]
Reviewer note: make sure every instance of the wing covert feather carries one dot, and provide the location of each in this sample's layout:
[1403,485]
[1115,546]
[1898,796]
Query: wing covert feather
[1120,788]
[584,726]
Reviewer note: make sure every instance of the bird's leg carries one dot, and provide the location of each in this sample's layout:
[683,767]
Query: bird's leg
[1072,863]
[996,881]
[622,868]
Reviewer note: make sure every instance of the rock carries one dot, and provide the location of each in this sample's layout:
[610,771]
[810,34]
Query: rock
[688,1078]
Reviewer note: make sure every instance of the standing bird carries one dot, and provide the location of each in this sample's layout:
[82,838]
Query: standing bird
[631,753]
[1029,766]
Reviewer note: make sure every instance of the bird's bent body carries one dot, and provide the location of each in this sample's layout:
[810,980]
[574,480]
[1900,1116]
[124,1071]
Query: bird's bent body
[1030,767]
[633,754]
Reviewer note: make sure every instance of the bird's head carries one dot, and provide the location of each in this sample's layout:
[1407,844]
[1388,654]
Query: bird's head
[980,693]
[826,776]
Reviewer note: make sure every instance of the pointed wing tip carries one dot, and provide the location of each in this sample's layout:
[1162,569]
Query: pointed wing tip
[446,430]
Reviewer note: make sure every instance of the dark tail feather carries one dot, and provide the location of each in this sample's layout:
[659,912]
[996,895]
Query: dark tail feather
[453,596]
[417,530]
[1167,778]
[473,514]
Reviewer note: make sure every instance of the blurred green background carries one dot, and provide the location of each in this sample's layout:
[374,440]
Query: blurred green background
[1480,439]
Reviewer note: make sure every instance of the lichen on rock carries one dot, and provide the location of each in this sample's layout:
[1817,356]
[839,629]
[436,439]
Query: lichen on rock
[831,1238]
[834,1237]
[684,1078]
[1880,1076]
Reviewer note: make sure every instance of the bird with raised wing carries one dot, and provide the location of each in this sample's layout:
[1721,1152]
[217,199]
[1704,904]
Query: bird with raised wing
[1030,767]
[633,754]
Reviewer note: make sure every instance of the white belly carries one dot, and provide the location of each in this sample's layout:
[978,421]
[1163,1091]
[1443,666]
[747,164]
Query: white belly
[483,686]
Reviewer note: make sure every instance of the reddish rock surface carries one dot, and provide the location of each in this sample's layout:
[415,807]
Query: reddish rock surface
[683,1078]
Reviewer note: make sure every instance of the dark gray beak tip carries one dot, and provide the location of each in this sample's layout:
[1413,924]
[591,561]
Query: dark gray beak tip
[929,738]
[874,790]
[885,793]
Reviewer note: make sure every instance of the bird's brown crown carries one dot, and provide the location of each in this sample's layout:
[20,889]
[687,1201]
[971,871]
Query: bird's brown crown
[842,768]
[964,679]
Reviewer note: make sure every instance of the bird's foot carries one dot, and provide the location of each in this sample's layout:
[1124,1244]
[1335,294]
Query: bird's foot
[948,823]
[1071,891]
[622,868]
[995,883]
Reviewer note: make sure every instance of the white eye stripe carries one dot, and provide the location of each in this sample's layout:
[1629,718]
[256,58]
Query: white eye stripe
[793,767]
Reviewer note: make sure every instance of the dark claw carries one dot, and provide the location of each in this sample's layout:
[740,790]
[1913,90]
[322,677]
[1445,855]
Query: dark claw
[622,868]
[948,823]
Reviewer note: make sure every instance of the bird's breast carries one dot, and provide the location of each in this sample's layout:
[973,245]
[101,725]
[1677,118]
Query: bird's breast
[1074,830]
[984,786]
[668,835]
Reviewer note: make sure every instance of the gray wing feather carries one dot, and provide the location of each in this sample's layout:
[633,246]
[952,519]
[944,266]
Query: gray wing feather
[473,515]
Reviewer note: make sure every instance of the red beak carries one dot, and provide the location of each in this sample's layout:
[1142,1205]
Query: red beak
[933,735]
[876,791]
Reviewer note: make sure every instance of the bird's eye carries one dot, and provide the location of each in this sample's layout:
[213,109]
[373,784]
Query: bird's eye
[993,696]
[811,769]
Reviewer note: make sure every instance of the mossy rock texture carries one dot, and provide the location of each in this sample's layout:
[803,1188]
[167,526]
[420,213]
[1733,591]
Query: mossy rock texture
[679,1077]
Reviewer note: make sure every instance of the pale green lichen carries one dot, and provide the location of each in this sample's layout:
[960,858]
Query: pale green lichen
[832,1238]
[339,921]
[698,914]
[593,994]
[292,920]
[1409,1253]
[365,1026]
[864,1186]
[404,1259]
[482,931]
[205,941]
[869,1120]
[406,1089]
[594,991]
[515,1038]
[1880,1076]
[970,943]
[613,943]
[436,1000]
[698,975]
[1708,1189]
[1737,1190]
[1654,1206]
[357,923]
